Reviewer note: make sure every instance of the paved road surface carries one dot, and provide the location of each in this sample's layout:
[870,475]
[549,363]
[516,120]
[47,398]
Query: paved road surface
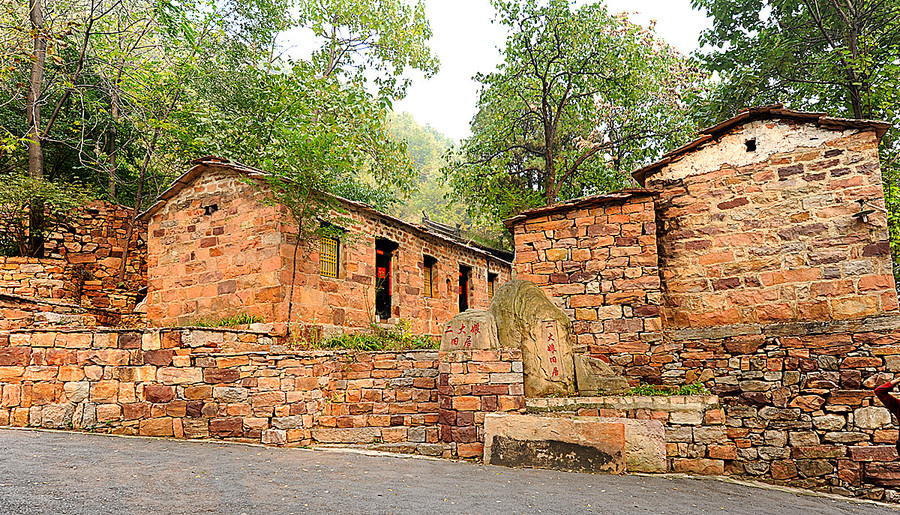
[56,472]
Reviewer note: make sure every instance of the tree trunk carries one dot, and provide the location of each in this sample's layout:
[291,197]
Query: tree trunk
[33,119]
[35,81]
[112,146]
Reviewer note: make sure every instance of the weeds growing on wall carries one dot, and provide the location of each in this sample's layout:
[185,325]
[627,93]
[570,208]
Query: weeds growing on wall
[239,319]
[376,339]
[652,389]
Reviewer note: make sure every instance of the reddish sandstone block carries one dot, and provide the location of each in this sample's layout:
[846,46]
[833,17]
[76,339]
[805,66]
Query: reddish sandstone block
[699,466]
[160,358]
[219,375]
[15,356]
[105,392]
[226,427]
[470,450]
[156,427]
[466,403]
[157,393]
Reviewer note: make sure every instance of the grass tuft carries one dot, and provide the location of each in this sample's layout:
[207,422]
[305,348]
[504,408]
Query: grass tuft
[239,319]
[652,389]
[378,338]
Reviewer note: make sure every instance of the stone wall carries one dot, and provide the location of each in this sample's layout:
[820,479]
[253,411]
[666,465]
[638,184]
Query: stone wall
[472,383]
[208,383]
[349,300]
[96,242]
[19,312]
[216,251]
[768,236]
[596,258]
[45,278]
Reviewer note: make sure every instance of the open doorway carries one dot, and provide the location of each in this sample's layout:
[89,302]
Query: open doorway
[464,273]
[384,253]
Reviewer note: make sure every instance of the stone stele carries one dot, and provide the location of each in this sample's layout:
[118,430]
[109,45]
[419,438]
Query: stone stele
[528,320]
[473,329]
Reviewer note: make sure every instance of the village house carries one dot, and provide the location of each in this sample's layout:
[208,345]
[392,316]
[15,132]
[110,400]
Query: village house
[216,250]
[771,217]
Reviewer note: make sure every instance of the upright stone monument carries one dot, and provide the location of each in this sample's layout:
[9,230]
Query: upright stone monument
[473,329]
[526,319]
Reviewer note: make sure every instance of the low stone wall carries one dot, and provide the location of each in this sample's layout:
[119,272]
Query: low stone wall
[18,312]
[471,384]
[96,242]
[45,278]
[797,398]
[210,383]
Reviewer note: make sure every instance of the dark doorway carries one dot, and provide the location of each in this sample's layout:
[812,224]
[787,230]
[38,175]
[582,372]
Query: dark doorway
[464,273]
[384,251]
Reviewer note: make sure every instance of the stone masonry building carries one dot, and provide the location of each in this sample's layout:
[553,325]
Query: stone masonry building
[756,222]
[216,250]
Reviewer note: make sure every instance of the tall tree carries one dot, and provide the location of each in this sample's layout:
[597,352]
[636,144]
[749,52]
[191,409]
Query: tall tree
[580,99]
[835,55]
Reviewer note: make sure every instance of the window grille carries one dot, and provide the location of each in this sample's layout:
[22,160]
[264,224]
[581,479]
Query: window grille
[492,280]
[428,272]
[328,256]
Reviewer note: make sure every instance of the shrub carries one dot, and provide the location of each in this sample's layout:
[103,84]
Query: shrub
[376,339]
[696,388]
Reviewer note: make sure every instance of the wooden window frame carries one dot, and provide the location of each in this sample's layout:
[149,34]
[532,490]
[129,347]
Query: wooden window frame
[329,256]
[428,266]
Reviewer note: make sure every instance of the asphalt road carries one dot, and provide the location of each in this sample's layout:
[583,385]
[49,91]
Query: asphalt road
[57,472]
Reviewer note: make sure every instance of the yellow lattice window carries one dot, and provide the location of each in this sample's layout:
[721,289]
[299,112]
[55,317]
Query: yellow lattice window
[492,280]
[428,275]
[328,256]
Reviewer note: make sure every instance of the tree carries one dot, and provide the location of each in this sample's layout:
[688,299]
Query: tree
[834,55]
[581,98]
[379,39]
[837,56]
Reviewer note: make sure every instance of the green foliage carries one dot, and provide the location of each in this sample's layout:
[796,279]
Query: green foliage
[140,88]
[696,388]
[842,58]
[18,193]
[430,194]
[378,338]
[239,319]
[366,39]
[581,99]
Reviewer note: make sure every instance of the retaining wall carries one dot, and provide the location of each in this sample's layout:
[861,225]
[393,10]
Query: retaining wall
[208,383]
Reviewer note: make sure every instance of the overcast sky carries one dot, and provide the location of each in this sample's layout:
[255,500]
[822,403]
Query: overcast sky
[467,43]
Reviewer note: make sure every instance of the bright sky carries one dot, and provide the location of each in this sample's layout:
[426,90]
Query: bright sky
[467,43]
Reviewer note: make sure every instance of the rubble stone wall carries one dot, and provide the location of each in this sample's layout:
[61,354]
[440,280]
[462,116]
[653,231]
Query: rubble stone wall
[213,250]
[45,278]
[207,383]
[472,383]
[597,261]
[774,240]
[217,251]
[95,244]
[349,300]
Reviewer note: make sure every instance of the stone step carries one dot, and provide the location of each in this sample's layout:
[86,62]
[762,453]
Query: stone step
[585,444]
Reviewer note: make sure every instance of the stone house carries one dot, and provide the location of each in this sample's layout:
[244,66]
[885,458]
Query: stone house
[216,250]
[772,217]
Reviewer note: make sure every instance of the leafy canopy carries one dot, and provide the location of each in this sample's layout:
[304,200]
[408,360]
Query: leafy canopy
[581,98]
